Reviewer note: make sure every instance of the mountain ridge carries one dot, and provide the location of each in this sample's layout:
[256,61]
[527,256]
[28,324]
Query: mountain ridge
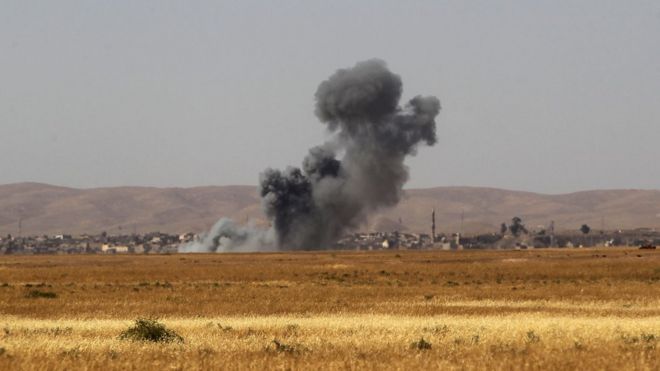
[52,209]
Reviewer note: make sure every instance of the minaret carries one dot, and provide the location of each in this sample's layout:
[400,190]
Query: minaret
[433,225]
[552,233]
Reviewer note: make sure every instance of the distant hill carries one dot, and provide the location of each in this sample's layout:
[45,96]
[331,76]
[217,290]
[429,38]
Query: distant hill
[47,209]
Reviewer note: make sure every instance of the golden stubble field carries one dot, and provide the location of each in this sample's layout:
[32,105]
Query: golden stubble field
[538,309]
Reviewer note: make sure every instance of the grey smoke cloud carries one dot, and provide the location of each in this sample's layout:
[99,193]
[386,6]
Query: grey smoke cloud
[226,236]
[359,170]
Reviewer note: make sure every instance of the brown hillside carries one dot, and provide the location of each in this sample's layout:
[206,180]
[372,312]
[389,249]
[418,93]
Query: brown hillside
[47,209]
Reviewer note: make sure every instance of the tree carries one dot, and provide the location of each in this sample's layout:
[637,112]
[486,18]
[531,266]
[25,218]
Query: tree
[517,227]
[503,229]
[585,229]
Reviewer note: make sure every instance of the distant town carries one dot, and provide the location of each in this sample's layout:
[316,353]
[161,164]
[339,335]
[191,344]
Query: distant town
[510,237]
[411,241]
[150,243]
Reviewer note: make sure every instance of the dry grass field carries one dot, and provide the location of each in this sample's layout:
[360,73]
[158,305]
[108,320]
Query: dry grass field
[539,309]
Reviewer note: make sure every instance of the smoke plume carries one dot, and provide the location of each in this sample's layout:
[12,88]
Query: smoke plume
[360,169]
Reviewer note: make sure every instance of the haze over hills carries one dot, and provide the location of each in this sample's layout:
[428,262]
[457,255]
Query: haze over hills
[47,209]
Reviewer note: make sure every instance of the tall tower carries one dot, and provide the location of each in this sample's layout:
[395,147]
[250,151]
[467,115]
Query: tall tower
[552,233]
[433,225]
[460,231]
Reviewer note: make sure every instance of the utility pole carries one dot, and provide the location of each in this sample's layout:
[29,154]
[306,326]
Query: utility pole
[460,230]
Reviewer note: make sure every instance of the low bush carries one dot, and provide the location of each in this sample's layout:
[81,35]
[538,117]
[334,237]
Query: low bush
[532,337]
[421,344]
[41,294]
[150,330]
[284,348]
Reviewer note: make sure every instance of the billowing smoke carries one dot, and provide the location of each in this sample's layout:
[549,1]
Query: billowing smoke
[358,170]
[227,236]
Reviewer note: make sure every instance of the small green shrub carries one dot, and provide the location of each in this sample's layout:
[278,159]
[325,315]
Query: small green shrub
[648,337]
[421,344]
[41,294]
[150,330]
[644,339]
[283,348]
[532,337]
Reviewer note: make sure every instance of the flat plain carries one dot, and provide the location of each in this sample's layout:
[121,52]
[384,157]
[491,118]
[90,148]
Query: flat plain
[530,309]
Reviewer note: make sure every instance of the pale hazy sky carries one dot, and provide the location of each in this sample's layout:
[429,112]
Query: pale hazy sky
[548,96]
